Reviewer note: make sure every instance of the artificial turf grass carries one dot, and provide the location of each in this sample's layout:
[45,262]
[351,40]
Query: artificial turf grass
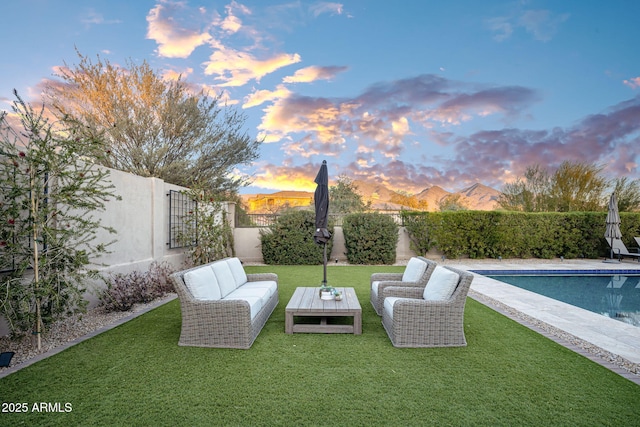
[136,374]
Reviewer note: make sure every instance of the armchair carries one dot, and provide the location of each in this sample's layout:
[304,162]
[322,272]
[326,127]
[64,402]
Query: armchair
[413,321]
[416,274]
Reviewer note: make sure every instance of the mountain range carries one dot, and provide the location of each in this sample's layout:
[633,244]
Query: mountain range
[475,197]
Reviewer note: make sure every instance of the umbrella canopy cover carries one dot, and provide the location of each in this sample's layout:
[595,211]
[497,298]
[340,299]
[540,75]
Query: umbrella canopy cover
[321,199]
[612,230]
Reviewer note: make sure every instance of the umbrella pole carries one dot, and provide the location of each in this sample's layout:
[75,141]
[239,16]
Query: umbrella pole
[611,249]
[324,282]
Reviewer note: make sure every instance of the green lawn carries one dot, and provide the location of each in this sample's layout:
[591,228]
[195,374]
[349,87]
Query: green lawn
[137,375]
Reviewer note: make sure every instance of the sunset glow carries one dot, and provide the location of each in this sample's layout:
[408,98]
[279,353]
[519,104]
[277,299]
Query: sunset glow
[410,95]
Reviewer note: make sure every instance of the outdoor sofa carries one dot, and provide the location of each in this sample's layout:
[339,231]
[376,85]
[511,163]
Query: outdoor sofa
[415,274]
[432,316]
[222,306]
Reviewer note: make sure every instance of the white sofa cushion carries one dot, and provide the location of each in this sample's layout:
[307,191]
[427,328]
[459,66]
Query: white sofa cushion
[202,284]
[414,270]
[225,278]
[237,270]
[441,284]
[255,302]
[266,288]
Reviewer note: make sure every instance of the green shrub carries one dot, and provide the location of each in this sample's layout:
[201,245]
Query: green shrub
[370,238]
[289,241]
[492,234]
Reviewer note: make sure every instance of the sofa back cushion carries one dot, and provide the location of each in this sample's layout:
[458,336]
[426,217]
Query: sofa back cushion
[202,284]
[414,270]
[441,284]
[225,278]
[239,276]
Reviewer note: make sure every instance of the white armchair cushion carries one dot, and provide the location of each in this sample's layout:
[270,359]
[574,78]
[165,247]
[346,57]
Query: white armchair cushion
[374,288]
[202,284]
[441,284]
[414,270]
[388,305]
[225,278]
[237,270]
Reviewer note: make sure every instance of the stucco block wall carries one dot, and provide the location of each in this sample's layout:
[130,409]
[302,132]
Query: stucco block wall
[141,219]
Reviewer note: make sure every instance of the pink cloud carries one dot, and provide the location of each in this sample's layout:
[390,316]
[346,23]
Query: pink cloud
[633,83]
[236,68]
[313,73]
[386,114]
[174,37]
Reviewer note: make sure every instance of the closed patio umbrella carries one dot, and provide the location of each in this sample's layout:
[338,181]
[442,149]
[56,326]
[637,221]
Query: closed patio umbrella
[321,200]
[612,230]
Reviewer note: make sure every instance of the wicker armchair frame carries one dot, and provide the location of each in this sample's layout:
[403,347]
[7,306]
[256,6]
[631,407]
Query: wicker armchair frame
[395,279]
[420,323]
[220,323]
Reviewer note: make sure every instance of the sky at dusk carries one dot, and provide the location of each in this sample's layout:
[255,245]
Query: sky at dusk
[409,94]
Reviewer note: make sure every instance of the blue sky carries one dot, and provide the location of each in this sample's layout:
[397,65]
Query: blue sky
[409,94]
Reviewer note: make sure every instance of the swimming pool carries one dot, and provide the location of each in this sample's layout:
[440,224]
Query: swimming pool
[613,295]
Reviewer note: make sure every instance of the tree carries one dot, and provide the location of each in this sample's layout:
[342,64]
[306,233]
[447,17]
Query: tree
[410,200]
[628,194]
[452,202]
[155,127]
[344,197]
[577,187]
[47,228]
[529,193]
[572,187]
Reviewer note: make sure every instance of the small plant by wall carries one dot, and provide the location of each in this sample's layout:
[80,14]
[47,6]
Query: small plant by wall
[289,241]
[123,291]
[370,238]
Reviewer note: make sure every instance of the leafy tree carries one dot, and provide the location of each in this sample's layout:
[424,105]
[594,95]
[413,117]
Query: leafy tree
[155,127]
[577,187]
[47,229]
[344,197]
[452,202]
[409,200]
[529,193]
[628,194]
[572,187]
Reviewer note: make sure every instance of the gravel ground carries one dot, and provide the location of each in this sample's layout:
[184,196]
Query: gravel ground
[66,331]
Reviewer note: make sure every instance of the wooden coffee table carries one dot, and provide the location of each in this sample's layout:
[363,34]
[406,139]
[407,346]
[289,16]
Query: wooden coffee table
[306,302]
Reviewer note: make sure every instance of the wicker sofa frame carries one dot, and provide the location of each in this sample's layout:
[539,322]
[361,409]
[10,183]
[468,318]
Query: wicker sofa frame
[220,323]
[395,279]
[420,323]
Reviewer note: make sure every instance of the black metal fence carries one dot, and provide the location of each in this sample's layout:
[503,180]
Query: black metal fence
[265,220]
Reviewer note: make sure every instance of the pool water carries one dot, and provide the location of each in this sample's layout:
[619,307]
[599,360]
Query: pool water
[614,296]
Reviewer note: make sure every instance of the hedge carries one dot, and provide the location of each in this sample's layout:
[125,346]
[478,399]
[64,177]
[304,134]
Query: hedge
[370,238]
[493,234]
[289,241]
